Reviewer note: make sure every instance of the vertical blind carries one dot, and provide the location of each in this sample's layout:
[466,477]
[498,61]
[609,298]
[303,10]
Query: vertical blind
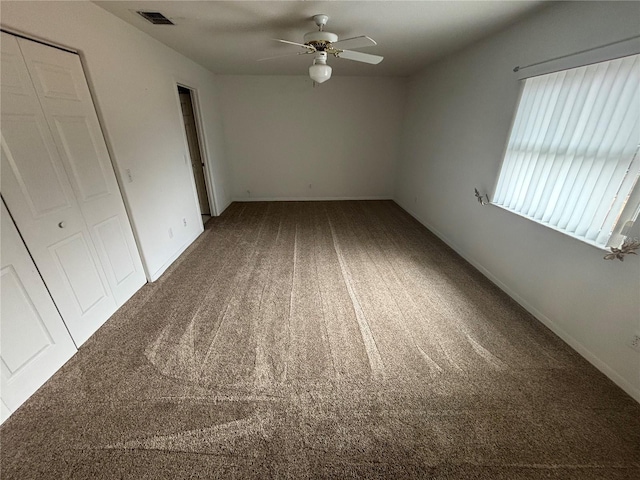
[572,159]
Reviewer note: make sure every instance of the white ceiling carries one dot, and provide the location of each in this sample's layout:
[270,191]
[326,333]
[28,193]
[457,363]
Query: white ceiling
[227,37]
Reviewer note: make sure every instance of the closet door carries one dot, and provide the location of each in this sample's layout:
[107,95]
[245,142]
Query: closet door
[41,200]
[63,92]
[34,342]
[61,190]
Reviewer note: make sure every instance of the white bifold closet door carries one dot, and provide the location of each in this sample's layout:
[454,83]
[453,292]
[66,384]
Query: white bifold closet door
[60,187]
[34,342]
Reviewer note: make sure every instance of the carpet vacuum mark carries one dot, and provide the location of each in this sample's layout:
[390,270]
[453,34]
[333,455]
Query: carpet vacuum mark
[323,340]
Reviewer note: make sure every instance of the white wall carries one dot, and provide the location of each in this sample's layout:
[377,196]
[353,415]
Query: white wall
[133,79]
[283,135]
[456,124]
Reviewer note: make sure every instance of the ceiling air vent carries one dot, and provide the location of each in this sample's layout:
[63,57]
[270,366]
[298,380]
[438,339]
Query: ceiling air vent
[156,18]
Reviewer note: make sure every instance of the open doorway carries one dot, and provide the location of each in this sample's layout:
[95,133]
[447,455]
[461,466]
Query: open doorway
[197,163]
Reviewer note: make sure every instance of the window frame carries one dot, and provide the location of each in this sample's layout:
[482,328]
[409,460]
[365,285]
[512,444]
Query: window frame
[630,212]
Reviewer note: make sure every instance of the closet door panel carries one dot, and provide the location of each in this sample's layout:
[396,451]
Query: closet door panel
[32,161]
[79,271]
[62,89]
[32,334]
[80,150]
[113,242]
[34,342]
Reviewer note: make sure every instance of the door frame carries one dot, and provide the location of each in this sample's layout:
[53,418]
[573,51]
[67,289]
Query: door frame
[204,154]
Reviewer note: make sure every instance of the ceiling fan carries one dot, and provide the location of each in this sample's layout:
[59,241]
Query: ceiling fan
[321,44]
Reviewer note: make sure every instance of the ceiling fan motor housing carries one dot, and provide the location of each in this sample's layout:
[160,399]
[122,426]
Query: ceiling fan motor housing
[320,39]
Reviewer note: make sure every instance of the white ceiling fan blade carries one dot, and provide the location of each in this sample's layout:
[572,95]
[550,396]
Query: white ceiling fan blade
[354,42]
[308,47]
[360,57]
[287,55]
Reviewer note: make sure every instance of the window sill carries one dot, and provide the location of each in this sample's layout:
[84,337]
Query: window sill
[550,227]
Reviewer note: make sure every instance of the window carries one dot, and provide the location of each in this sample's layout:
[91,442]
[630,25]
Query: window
[572,160]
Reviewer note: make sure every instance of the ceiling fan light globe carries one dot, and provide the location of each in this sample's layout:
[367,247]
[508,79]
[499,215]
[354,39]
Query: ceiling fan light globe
[320,72]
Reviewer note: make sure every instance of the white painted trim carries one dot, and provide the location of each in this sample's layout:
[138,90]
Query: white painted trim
[35,38]
[156,275]
[224,207]
[115,166]
[553,326]
[187,152]
[5,412]
[306,199]
[202,143]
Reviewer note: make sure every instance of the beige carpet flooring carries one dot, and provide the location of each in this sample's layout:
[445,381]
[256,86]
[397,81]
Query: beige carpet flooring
[323,340]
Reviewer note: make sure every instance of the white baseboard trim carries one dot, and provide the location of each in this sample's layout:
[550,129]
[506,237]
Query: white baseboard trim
[307,199]
[553,326]
[156,275]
